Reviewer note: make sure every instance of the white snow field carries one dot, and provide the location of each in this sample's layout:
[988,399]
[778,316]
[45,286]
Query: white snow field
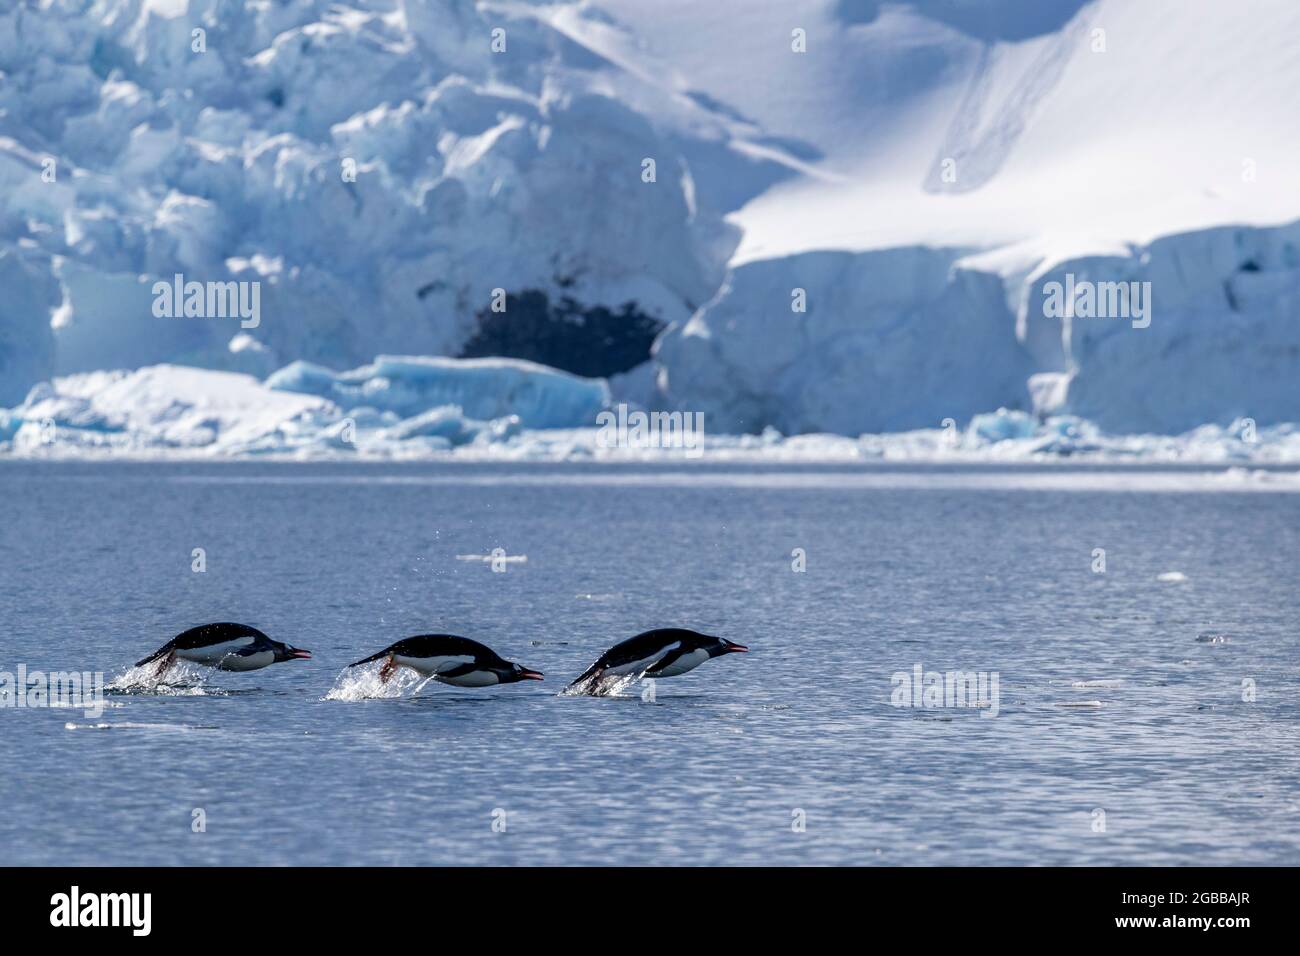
[859,213]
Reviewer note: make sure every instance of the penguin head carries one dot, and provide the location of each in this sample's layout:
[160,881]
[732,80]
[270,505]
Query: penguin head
[716,646]
[517,672]
[723,646]
[283,652]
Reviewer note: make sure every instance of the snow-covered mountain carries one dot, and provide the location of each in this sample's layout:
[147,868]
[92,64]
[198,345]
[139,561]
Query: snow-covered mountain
[815,215]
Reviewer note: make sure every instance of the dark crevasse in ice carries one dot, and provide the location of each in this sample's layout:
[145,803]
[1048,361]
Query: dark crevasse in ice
[593,341]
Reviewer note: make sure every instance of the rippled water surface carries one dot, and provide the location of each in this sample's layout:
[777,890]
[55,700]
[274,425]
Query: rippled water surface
[980,570]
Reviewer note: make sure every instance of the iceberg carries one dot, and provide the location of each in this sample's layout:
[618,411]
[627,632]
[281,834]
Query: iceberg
[156,409]
[404,407]
[538,396]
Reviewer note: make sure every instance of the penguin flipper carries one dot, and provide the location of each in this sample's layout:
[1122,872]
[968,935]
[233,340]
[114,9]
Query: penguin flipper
[460,670]
[165,665]
[373,657]
[161,652]
[664,662]
[591,673]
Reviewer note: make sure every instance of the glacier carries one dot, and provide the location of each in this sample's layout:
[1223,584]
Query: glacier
[845,249]
[376,168]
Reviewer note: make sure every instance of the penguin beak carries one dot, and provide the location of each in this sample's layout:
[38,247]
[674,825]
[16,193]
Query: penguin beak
[731,647]
[526,674]
[299,654]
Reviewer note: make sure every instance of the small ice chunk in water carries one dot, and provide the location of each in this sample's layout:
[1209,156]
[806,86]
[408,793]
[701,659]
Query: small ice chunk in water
[1172,577]
[499,558]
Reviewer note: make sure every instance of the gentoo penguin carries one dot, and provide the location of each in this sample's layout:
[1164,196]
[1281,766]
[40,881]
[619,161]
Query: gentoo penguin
[451,660]
[227,647]
[663,652]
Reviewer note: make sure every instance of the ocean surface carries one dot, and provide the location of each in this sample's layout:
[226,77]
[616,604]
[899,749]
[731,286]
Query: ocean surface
[1123,731]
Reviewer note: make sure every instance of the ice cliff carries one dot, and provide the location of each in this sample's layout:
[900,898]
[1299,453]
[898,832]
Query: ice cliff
[906,337]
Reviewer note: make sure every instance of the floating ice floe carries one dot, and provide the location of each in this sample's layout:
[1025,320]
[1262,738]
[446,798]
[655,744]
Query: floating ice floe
[483,389]
[495,558]
[1213,638]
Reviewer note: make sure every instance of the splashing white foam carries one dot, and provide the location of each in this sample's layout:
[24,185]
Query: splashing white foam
[363,683]
[181,680]
[601,687]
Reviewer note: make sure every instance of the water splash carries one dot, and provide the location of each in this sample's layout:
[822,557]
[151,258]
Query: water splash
[181,680]
[363,683]
[601,686]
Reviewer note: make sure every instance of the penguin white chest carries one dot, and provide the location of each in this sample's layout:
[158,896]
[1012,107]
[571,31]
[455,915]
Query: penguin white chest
[641,665]
[250,662]
[433,666]
[483,678]
[223,656]
[687,662]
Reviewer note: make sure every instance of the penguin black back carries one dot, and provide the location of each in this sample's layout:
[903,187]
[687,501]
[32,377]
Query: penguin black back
[436,645]
[656,651]
[203,636]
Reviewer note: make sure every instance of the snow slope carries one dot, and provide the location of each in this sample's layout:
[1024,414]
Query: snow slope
[919,171]
[1049,133]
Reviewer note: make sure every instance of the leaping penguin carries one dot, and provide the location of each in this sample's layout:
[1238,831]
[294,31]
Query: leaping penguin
[450,660]
[225,646]
[663,652]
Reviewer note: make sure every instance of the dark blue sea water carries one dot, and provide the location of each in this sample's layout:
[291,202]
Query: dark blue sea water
[979,570]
